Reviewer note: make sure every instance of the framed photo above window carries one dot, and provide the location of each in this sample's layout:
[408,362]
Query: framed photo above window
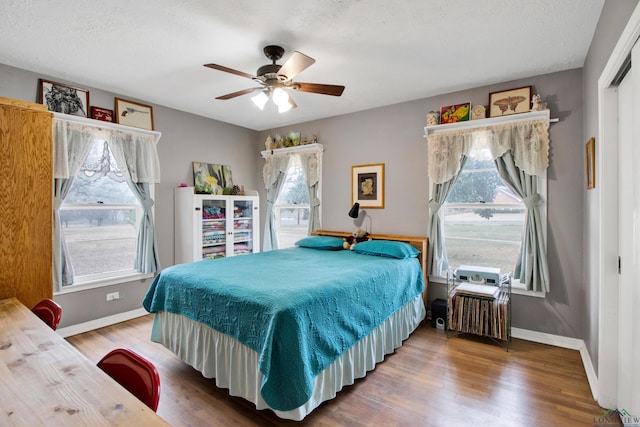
[510,101]
[103,114]
[455,113]
[64,99]
[131,113]
[367,185]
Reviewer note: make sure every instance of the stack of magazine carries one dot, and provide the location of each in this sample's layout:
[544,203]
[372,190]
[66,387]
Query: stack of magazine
[479,309]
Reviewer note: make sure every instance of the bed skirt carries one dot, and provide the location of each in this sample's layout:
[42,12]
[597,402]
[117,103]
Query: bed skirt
[235,366]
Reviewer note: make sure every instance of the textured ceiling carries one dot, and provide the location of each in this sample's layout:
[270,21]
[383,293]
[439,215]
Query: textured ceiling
[383,52]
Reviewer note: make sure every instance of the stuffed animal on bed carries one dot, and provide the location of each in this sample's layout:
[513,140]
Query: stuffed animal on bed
[358,235]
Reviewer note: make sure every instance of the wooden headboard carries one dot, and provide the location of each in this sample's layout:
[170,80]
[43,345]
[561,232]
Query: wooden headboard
[420,243]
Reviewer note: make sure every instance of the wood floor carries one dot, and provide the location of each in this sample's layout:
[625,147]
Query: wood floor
[429,381]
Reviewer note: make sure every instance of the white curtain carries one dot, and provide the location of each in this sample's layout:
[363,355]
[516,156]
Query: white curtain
[275,169]
[137,156]
[70,149]
[273,173]
[310,163]
[527,145]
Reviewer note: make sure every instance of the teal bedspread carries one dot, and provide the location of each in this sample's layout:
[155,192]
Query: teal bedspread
[298,308]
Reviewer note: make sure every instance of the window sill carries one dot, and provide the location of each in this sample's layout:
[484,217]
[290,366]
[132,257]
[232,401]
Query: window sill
[102,282]
[516,289]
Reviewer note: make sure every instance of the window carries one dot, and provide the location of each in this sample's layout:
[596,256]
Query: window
[100,218]
[292,207]
[483,220]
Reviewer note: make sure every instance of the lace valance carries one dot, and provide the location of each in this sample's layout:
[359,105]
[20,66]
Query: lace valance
[72,138]
[278,159]
[527,140]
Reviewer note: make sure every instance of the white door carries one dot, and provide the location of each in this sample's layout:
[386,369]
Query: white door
[629,239]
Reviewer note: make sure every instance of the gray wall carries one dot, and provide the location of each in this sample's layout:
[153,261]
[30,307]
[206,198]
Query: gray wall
[185,138]
[612,21]
[393,135]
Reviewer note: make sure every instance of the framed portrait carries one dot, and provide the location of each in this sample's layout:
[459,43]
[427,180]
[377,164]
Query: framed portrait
[367,185]
[103,114]
[455,113]
[591,163]
[65,99]
[209,178]
[510,101]
[134,114]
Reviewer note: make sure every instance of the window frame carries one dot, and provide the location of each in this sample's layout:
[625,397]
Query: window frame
[516,287]
[114,277]
[307,148]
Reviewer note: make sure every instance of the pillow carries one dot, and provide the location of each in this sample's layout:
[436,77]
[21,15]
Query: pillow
[386,248]
[326,243]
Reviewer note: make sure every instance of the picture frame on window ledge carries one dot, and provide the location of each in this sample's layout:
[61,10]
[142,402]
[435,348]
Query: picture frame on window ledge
[512,101]
[104,114]
[62,98]
[134,114]
[367,185]
[455,113]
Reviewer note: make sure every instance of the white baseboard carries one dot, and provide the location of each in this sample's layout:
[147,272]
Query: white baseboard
[101,323]
[564,342]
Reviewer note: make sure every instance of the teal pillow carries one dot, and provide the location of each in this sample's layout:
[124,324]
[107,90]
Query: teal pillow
[386,248]
[326,243]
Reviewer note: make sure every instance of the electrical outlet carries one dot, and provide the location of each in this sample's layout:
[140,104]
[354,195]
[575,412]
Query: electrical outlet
[113,296]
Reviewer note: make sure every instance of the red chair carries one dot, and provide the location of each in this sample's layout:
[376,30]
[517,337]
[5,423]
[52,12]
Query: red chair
[135,373]
[49,311]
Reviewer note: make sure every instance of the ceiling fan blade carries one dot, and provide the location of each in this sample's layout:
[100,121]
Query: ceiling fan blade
[229,70]
[238,93]
[296,63]
[322,89]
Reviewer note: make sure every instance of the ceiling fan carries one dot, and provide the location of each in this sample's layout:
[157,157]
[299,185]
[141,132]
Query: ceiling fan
[274,78]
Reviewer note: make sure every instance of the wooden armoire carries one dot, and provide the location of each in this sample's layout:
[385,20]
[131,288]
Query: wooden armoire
[26,201]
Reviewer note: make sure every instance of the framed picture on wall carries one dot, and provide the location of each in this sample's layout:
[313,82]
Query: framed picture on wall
[510,101]
[63,98]
[367,185]
[103,114]
[590,149]
[134,114]
[209,178]
[455,113]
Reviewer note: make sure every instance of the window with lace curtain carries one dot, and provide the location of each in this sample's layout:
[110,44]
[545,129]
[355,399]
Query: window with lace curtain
[483,219]
[488,197]
[292,207]
[100,218]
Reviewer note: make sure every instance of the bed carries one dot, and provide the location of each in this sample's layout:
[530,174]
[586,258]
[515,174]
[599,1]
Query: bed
[275,327]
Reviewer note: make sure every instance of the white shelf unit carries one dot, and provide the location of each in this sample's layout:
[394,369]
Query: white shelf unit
[486,123]
[211,226]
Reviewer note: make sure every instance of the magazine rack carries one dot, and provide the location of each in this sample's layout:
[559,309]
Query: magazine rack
[479,310]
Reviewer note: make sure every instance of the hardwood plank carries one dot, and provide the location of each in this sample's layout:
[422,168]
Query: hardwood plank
[431,380]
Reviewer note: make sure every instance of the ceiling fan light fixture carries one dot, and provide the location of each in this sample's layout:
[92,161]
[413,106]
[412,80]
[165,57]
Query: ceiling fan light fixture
[260,100]
[280,98]
[284,107]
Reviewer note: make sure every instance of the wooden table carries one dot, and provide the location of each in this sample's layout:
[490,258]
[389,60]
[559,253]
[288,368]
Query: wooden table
[45,381]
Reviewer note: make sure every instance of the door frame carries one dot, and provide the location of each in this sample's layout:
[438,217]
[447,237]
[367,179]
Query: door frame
[607,202]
